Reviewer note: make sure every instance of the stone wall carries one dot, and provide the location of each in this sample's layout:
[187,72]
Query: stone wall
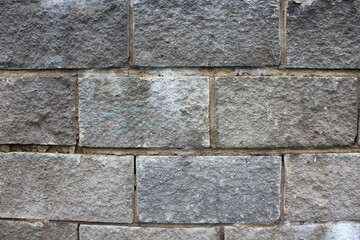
[179,119]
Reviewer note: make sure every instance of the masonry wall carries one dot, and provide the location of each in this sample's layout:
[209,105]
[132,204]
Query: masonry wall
[179,119]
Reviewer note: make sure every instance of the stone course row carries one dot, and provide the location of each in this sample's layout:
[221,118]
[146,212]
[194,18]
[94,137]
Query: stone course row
[174,189]
[173,112]
[13,230]
[50,34]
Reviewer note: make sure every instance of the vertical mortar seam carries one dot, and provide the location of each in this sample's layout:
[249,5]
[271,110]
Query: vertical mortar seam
[282,191]
[358,110]
[78,231]
[212,111]
[135,202]
[77,117]
[222,233]
[282,32]
[131,34]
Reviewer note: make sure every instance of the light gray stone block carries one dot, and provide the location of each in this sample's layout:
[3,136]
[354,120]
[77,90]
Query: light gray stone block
[338,231]
[93,232]
[322,187]
[206,33]
[144,112]
[45,34]
[323,34]
[254,112]
[66,187]
[37,110]
[208,189]
[15,230]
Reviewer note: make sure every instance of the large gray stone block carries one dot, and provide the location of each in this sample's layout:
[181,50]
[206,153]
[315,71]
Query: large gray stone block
[144,112]
[323,34]
[66,187]
[286,111]
[206,33]
[93,232]
[38,111]
[338,231]
[14,230]
[37,34]
[208,189]
[322,187]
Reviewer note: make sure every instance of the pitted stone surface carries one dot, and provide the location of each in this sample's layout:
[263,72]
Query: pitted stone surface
[208,189]
[206,33]
[322,187]
[144,112]
[93,232]
[45,34]
[14,230]
[338,231]
[37,111]
[286,111]
[323,34]
[66,187]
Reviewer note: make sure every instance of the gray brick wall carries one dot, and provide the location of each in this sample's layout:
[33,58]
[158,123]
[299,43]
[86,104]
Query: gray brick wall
[179,119]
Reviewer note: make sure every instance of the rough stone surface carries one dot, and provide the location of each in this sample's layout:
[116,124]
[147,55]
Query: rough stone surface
[323,187]
[208,189]
[206,33]
[66,187]
[93,232]
[339,231]
[323,34]
[14,230]
[37,111]
[286,111]
[37,34]
[144,112]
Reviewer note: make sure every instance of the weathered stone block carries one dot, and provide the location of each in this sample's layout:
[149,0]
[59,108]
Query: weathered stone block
[144,112]
[206,33]
[66,187]
[286,111]
[14,230]
[322,187]
[323,34]
[63,34]
[339,231]
[93,232]
[208,189]
[37,111]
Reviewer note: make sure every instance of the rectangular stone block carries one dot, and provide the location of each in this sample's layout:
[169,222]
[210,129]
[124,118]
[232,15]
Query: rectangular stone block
[66,187]
[208,189]
[37,110]
[322,187]
[93,232]
[323,34]
[338,231]
[259,112]
[170,112]
[46,34]
[206,33]
[15,230]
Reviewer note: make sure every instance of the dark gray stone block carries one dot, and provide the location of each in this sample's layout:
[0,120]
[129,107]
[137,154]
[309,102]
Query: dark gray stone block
[322,187]
[208,189]
[168,112]
[323,34]
[93,232]
[15,230]
[66,187]
[38,111]
[44,34]
[206,33]
[262,112]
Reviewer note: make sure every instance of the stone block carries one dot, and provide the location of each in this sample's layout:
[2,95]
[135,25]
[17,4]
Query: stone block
[93,232]
[323,34]
[206,33]
[47,34]
[38,110]
[137,112]
[322,187]
[208,189]
[264,112]
[66,187]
